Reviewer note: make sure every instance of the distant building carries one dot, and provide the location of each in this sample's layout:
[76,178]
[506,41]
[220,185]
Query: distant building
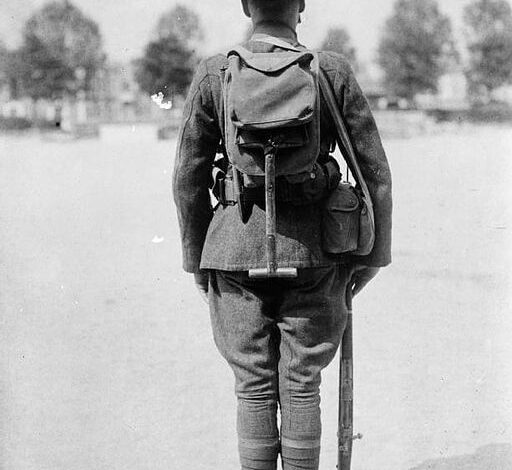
[503,93]
[452,93]
[115,97]
[11,104]
[119,98]
[370,82]
[4,98]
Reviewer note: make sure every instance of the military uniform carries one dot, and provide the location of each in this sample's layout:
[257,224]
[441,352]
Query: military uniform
[277,335]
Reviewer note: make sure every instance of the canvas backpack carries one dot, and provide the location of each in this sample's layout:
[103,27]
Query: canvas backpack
[272,105]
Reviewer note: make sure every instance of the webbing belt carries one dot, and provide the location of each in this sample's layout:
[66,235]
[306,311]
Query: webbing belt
[322,182]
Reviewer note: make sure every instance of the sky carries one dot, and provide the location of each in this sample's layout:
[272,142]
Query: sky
[127,25]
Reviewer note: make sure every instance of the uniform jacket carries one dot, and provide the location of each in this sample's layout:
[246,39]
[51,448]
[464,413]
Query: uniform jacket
[217,238]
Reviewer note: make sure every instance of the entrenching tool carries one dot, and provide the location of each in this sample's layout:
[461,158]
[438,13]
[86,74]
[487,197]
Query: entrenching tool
[271,225]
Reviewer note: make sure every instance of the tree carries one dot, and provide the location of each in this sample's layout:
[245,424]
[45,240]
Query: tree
[415,47]
[14,71]
[4,53]
[61,51]
[182,23]
[167,67]
[489,35]
[169,61]
[338,40]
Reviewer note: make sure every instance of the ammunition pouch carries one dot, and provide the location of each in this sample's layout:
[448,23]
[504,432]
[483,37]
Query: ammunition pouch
[296,190]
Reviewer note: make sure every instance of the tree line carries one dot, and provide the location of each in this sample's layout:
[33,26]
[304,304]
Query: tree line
[61,52]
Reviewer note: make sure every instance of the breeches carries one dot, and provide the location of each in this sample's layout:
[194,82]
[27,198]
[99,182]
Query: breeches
[277,335]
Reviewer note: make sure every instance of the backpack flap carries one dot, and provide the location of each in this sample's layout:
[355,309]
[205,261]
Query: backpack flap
[282,89]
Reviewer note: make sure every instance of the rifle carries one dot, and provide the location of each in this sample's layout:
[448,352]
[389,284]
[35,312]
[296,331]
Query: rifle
[346,393]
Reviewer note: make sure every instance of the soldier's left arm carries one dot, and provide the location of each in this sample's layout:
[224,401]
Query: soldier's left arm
[197,144]
[372,160]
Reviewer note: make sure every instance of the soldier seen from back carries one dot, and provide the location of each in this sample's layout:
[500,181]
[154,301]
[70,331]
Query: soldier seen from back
[277,332]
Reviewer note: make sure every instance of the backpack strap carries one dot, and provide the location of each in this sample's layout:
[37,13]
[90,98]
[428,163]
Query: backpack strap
[343,138]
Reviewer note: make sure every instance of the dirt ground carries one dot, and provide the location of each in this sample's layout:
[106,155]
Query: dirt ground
[106,355]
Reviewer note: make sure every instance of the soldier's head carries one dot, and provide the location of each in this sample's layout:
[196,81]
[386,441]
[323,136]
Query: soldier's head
[287,11]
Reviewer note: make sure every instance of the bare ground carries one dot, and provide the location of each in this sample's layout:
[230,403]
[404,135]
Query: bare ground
[107,360]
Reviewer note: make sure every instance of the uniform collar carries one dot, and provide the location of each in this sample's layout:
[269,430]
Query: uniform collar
[276,29]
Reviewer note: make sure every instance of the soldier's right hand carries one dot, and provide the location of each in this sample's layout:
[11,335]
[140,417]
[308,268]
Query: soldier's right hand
[201,280]
[361,277]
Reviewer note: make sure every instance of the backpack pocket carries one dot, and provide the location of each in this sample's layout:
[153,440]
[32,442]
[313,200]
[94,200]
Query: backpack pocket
[284,138]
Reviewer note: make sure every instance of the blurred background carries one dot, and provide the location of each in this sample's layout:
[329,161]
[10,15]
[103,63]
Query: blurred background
[77,65]
[106,355]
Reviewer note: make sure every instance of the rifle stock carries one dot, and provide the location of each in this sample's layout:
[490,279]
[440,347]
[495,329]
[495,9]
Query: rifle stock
[346,391]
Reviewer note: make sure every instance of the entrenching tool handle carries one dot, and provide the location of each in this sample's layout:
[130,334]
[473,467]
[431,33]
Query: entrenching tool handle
[271,224]
[270,208]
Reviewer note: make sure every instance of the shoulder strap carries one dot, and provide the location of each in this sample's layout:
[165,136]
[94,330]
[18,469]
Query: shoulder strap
[343,137]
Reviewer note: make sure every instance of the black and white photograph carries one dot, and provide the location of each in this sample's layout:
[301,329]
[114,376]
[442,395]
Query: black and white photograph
[255,235]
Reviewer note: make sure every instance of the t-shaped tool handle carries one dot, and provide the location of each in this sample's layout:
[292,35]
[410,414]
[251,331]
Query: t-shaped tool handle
[271,225]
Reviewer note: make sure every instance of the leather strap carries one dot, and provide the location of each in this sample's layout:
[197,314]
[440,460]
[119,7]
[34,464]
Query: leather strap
[343,138]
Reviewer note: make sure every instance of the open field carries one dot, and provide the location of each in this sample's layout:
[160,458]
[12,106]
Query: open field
[106,355]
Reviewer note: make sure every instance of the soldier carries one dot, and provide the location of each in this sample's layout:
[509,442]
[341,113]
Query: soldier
[276,334]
